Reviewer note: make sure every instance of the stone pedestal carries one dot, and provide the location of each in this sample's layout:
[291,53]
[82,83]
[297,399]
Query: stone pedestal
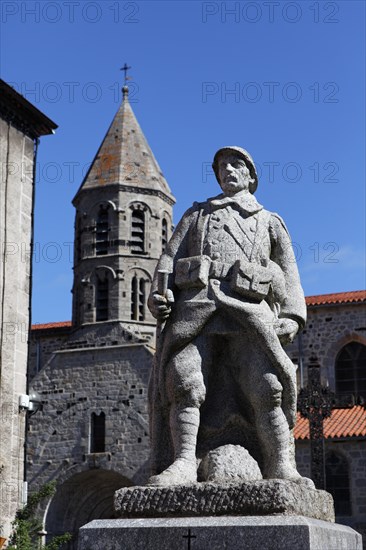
[247,498]
[259,515]
[218,533]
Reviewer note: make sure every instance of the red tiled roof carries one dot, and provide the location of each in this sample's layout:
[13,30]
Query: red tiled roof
[341,423]
[337,298]
[321,299]
[45,326]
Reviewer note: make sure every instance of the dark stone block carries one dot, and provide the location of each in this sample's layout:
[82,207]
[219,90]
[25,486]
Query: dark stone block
[264,497]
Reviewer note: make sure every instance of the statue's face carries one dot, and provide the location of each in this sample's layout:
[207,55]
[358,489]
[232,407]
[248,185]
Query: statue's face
[234,176]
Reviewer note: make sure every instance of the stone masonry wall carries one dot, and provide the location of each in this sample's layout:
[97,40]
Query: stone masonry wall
[16,187]
[43,344]
[327,330]
[76,383]
[355,453]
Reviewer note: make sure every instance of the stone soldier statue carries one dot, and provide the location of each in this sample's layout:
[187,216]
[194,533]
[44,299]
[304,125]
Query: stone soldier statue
[232,301]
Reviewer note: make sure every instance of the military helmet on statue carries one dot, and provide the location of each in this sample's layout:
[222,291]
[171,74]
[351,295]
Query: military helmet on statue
[241,153]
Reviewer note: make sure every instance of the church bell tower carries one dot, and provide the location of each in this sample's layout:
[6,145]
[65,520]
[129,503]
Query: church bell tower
[123,221]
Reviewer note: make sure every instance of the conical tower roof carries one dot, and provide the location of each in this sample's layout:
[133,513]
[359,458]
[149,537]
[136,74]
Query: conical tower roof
[125,157]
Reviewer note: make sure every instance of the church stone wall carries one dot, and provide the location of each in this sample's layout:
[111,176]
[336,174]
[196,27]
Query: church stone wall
[328,329]
[73,385]
[354,451]
[43,343]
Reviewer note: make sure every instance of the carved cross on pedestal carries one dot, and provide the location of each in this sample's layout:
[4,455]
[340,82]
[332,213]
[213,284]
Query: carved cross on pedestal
[189,537]
[315,403]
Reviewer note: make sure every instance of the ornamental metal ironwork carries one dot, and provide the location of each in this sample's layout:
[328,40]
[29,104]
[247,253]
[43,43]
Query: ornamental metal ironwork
[315,403]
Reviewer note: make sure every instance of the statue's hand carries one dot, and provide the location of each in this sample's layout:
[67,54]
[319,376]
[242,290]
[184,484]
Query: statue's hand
[161,306]
[286,330]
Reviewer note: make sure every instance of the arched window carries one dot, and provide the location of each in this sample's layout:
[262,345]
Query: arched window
[138,232]
[134,305]
[337,483]
[76,304]
[97,433]
[138,299]
[142,300]
[102,229]
[78,239]
[350,370]
[102,298]
[164,234]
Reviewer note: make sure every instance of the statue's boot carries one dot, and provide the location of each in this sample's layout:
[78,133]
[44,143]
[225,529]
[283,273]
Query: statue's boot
[275,436]
[184,424]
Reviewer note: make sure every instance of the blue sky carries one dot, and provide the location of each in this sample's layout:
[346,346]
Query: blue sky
[285,80]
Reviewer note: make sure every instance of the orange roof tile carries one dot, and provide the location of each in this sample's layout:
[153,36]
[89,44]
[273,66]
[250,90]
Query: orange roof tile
[45,326]
[341,423]
[337,298]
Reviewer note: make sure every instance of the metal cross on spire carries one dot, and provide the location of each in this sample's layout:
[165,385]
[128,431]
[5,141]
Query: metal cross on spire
[125,68]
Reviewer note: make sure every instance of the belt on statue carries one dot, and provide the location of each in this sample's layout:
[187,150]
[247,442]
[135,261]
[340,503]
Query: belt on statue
[220,270]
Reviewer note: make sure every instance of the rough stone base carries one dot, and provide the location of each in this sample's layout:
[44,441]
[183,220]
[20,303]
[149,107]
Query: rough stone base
[218,533]
[255,498]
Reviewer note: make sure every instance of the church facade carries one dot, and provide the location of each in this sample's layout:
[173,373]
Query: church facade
[92,435]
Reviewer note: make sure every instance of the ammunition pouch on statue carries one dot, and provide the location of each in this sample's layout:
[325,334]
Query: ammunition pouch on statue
[192,272]
[248,279]
[251,280]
